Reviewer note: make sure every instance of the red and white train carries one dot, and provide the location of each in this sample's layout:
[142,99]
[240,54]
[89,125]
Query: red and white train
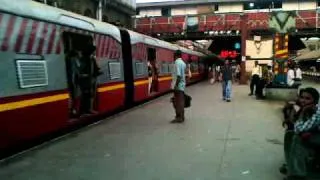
[34,93]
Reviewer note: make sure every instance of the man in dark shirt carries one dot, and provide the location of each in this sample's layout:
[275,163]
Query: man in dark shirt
[226,72]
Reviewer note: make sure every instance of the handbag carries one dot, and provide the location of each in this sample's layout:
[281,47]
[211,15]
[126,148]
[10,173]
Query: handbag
[187,101]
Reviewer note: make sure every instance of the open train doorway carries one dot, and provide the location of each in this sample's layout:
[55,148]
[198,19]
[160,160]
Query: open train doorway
[153,76]
[82,72]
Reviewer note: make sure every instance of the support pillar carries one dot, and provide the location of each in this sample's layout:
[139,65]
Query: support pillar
[99,11]
[244,35]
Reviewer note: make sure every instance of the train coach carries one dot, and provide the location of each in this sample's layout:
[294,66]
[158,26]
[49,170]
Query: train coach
[36,74]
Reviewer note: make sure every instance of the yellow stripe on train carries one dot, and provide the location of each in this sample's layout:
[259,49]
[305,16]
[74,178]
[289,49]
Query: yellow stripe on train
[64,96]
[32,102]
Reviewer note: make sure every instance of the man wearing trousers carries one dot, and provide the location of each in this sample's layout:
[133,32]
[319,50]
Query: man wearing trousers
[226,73]
[255,79]
[178,86]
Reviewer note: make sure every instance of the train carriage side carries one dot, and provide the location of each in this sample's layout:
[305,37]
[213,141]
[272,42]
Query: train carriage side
[152,62]
[193,60]
[35,93]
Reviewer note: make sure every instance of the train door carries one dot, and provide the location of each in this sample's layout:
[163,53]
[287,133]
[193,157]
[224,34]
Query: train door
[80,69]
[154,83]
[128,67]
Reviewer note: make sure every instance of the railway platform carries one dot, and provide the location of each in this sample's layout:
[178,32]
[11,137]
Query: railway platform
[239,140]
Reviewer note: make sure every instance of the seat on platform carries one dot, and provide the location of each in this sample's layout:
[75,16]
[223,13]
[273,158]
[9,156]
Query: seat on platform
[281,92]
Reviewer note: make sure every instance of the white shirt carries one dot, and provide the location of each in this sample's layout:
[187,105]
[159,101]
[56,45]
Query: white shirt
[256,71]
[290,77]
[299,73]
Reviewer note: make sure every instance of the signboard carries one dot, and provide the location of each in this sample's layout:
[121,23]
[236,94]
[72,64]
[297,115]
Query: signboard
[228,54]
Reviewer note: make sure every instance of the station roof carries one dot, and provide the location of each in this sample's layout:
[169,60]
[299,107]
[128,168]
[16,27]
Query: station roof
[187,2]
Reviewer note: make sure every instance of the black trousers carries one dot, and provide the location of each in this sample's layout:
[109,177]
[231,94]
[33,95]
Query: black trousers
[254,83]
[259,88]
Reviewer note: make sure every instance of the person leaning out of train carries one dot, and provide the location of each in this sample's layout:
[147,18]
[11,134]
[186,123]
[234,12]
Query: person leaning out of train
[306,122]
[89,72]
[73,79]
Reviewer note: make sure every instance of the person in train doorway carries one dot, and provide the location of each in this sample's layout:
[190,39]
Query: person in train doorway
[255,78]
[89,72]
[306,123]
[149,77]
[155,80]
[189,68]
[73,64]
[178,85]
[226,76]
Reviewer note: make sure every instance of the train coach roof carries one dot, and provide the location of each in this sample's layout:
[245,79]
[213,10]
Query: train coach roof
[137,37]
[32,9]
[140,38]
[189,51]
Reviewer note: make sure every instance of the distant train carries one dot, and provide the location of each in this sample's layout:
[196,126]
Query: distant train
[34,83]
[310,65]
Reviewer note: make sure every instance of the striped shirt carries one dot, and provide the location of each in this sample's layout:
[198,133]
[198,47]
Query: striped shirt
[311,124]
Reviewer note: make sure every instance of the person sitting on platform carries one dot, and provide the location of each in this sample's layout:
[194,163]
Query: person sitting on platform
[293,76]
[298,74]
[305,120]
[262,83]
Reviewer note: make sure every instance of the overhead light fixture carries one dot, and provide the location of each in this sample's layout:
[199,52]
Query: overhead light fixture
[251,5]
[211,32]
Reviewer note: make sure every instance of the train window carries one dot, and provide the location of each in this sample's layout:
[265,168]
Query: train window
[115,70]
[165,68]
[32,73]
[139,68]
[171,65]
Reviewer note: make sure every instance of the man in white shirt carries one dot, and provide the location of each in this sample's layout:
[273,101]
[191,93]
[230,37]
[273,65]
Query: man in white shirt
[255,77]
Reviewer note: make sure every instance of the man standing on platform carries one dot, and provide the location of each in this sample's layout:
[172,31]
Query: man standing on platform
[178,85]
[255,78]
[226,72]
